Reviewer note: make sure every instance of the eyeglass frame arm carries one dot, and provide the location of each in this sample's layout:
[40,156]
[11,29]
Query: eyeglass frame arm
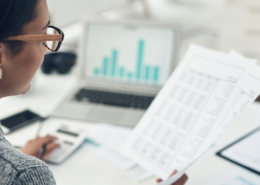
[39,38]
[36,38]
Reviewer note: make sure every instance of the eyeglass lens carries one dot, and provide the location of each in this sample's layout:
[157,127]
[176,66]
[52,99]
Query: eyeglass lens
[52,45]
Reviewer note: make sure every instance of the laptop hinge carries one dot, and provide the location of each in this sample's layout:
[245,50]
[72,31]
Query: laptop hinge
[119,87]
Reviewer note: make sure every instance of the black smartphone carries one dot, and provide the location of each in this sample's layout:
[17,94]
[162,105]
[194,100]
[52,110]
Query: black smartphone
[19,120]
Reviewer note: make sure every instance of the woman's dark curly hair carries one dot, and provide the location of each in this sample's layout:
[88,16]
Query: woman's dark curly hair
[14,15]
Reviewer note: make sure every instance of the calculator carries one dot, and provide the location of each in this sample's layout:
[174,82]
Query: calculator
[69,138]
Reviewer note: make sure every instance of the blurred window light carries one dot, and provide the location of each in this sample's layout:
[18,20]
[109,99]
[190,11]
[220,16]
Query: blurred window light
[64,12]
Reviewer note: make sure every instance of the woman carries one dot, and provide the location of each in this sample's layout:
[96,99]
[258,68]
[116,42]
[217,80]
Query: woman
[23,27]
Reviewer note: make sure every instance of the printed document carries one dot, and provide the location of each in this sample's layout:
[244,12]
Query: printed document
[202,98]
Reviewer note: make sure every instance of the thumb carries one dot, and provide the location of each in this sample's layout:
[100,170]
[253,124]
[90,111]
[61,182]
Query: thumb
[160,180]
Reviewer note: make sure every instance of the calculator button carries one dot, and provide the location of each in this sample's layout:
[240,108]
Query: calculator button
[68,143]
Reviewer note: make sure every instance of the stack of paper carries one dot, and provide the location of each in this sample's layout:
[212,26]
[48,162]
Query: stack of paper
[202,98]
[105,142]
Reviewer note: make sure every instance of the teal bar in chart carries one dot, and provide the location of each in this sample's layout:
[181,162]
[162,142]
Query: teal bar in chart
[122,72]
[114,62]
[156,74]
[130,76]
[142,72]
[140,59]
[147,71]
[96,71]
[105,66]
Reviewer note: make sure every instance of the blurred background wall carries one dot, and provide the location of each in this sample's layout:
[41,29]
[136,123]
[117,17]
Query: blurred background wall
[218,24]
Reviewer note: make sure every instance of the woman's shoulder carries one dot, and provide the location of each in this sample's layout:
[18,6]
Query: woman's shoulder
[13,156]
[21,167]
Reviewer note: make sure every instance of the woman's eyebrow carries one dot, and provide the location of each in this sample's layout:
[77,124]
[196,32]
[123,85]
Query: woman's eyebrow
[47,25]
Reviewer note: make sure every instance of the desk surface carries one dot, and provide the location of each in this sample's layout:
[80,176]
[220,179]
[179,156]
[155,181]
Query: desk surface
[85,168]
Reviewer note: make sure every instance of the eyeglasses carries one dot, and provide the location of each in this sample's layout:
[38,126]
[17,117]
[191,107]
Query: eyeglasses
[52,40]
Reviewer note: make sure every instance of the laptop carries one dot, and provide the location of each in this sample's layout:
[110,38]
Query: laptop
[123,67]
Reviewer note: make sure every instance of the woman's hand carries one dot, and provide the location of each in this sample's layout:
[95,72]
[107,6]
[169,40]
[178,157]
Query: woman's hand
[181,181]
[33,147]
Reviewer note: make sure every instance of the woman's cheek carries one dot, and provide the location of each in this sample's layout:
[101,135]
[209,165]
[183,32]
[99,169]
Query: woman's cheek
[27,89]
[45,50]
[39,55]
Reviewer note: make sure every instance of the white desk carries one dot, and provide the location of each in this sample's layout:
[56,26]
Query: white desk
[85,168]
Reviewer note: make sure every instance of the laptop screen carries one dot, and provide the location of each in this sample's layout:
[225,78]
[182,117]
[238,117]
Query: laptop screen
[133,54]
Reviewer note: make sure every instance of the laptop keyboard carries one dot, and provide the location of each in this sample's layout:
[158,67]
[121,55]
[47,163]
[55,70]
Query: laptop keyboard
[114,99]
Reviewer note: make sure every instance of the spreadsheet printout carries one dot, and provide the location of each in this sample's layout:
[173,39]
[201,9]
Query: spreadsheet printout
[245,92]
[175,129]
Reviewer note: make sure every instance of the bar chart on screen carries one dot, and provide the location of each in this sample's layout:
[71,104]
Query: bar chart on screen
[111,68]
[129,53]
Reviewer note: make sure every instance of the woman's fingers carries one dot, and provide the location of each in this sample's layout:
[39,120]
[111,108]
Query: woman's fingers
[158,180]
[181,181]
[173,173]
[47,139]
[33,147]
[49,148]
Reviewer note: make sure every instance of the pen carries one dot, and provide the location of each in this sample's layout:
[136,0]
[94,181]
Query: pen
[38,134]
[43,151]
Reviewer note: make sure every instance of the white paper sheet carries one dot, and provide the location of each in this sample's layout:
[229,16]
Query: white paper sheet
[139,174]
[110,139]
[112,136]
[111,156]
[105,142]
[245,92]
[187,115]
[236,176]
